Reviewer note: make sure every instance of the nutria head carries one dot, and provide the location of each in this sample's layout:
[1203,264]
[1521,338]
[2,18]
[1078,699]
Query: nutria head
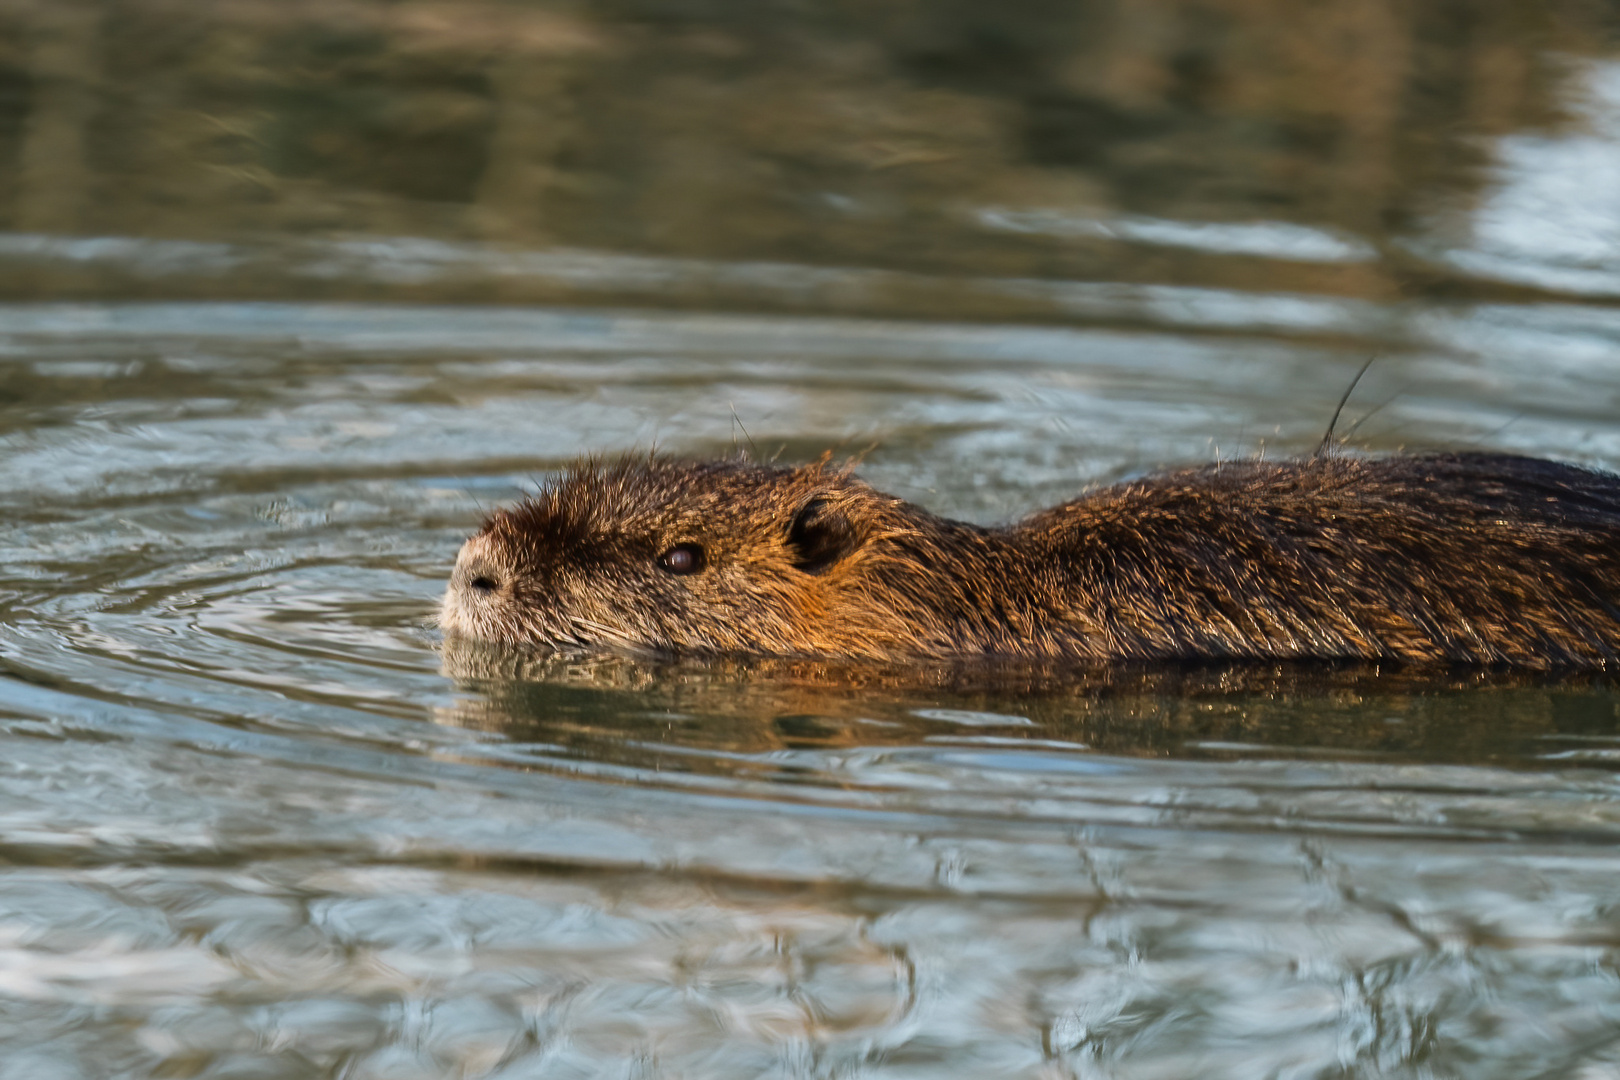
[707,557]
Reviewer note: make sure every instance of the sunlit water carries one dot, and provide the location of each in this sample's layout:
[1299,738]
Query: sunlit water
[260,824]
[258,820]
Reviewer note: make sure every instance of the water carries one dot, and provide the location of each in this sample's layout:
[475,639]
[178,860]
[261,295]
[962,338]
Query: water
[291,297]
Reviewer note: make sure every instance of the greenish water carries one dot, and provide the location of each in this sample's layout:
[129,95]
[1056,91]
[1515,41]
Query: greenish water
[289,297]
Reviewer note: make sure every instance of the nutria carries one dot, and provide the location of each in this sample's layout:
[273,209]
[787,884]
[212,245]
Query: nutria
[1446,558]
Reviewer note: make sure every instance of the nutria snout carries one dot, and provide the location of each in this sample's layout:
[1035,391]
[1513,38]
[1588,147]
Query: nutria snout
[1460,558]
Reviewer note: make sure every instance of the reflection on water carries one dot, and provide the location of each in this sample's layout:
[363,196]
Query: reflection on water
[1269,239]
[612,708]
[1328,155]
[1552,219]
[293,294]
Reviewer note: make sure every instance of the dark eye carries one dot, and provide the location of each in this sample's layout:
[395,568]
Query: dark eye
[484,584]
[682,559]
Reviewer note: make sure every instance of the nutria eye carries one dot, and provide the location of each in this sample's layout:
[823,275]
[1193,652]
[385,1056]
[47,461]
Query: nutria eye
[484,584]
[682,559]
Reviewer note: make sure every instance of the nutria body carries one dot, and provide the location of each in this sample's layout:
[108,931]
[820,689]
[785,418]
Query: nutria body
[1454,558]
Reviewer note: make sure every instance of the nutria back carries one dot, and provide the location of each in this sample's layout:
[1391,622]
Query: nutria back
[1453,558]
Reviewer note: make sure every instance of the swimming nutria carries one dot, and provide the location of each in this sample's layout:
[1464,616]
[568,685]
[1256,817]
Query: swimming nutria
[1460,558]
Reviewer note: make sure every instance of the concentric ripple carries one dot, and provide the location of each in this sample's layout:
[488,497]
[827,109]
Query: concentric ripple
[259,821]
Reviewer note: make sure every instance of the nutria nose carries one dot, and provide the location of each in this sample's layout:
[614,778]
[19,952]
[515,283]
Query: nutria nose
[475,593]
[478,570]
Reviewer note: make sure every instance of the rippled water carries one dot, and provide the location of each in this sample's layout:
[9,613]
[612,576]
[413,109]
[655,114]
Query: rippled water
[259,824]
[289,298]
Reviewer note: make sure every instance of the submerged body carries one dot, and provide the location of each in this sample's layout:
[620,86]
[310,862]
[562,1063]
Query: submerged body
[1456,558]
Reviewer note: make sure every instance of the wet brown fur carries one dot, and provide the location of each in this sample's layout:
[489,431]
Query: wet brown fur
[1452,558]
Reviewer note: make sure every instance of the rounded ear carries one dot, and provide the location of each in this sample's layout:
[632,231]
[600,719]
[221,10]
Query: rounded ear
[820,536]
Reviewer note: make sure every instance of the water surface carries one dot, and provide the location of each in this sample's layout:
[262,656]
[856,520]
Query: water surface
[292,297]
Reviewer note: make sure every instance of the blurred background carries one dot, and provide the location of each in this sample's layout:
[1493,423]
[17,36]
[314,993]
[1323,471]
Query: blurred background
[292,293]
[886,158]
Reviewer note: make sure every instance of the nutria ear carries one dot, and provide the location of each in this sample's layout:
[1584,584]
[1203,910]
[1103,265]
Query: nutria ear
[820,536]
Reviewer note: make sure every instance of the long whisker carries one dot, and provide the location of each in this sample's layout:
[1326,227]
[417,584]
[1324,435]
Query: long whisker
[609,635]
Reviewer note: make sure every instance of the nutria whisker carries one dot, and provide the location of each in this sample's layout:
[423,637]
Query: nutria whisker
[735,419]
[1484,559]
[1333,421]
[603,633]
